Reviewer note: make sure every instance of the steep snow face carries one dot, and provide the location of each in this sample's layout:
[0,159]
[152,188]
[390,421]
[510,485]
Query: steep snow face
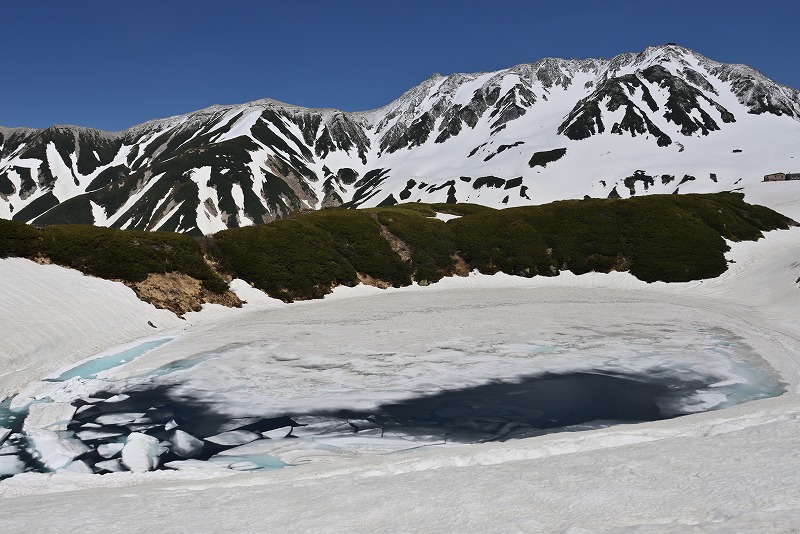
[664,120]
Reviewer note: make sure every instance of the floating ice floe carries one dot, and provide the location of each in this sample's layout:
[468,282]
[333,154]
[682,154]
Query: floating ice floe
[112,466]
[185,445]
[88,435]
[278,433]
[78,466]
[54,451]
[109,450]
[233,438]
[53,416]
[119,418]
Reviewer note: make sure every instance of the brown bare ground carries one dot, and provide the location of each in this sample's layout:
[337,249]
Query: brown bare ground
[460,267]
[367,280]
[180,293]
[398,245]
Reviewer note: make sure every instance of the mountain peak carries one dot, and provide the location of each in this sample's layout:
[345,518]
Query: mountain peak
[670,53]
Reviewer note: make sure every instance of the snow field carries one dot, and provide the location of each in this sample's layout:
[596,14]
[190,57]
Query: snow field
[735,469]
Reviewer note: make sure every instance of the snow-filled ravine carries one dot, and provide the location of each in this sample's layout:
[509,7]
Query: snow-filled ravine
[420,408]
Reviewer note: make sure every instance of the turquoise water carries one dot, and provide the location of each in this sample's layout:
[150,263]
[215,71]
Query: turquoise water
[181,365]
[265,462]
[91,368]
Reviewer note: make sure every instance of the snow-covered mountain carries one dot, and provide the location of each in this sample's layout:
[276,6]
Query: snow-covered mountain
[661,121]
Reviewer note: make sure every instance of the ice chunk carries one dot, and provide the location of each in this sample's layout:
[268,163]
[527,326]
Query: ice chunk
[118,418]
[140,453]
[53,416]
[78,466]
[278,433]
[169,426]
[11,465]
[4,433]
[91,425]
[142,427]
[54,451]
[185,445]
[145,419]
[109,450]
[90,434]
[113,466]
[8,448]
[234,438]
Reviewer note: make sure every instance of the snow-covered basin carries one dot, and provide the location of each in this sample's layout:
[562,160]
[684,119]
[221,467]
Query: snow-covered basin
[733,469]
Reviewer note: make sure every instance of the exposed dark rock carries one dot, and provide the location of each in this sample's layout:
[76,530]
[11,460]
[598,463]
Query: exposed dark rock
[488,181]
[638,176]
[513,182]
[546,156]
[406,193]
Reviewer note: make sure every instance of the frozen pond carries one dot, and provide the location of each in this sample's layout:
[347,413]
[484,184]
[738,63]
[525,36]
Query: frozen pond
[331,380]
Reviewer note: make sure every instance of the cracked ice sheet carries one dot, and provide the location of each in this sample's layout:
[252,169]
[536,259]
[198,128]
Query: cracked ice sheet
[358,353]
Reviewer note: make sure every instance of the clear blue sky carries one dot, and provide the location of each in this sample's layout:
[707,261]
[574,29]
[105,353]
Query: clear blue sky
[111,64]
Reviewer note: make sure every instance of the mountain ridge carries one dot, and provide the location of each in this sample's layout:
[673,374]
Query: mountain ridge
[666,113]
[625,57]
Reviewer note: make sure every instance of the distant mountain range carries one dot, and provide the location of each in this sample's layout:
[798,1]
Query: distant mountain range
[661,121]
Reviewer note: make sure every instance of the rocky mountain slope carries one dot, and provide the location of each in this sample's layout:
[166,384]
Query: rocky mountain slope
[661,121]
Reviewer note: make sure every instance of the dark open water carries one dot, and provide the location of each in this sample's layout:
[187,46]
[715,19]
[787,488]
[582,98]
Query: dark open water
[496,411]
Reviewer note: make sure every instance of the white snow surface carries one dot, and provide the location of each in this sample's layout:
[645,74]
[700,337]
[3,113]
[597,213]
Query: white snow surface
[446,216]
[736,469]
